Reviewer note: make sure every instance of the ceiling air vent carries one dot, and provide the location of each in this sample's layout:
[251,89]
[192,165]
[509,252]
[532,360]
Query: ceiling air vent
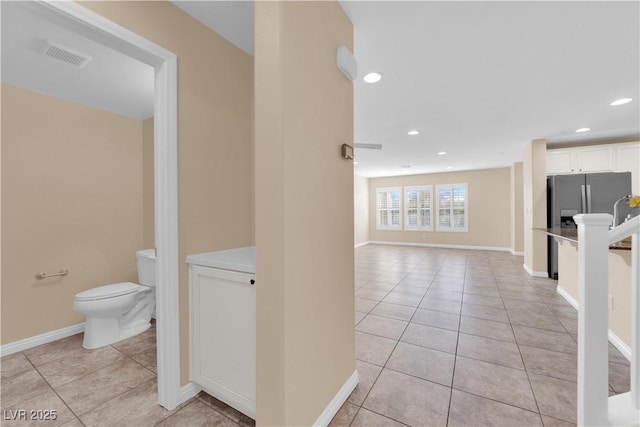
[65,54]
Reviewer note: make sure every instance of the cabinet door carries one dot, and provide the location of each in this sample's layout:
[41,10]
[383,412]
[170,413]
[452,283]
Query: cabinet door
[595,159]
[628,160]
[559,162]
[223,336]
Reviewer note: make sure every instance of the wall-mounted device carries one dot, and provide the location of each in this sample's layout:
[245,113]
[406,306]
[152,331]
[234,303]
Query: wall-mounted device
[347,151]
[347,63]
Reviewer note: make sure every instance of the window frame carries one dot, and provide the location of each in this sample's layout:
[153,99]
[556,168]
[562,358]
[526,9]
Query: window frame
[406,190]
[452,227]
[388,227]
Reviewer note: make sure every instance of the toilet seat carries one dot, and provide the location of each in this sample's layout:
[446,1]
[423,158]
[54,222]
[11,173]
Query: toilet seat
[109,291]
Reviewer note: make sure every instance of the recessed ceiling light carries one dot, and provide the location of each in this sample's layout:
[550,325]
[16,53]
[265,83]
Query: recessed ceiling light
[449,167]
[413,132]
[583,130]
[372,78]
[355,163]
[442,153]
[621,101]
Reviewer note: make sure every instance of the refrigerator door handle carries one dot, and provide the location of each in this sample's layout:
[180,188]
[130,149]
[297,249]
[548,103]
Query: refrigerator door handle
[583,199]
[589,199]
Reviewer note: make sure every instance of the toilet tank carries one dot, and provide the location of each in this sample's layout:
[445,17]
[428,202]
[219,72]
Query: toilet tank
[146,260]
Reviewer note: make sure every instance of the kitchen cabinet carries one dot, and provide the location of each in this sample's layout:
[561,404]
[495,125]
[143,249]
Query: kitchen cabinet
[559,162]
[594,159]
[222,323]
[597,158]
[628,160]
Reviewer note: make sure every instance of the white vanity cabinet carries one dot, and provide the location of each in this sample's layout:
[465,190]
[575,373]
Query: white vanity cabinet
[222,327]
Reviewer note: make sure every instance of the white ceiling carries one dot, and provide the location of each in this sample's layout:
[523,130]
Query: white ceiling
[110,81]
[233,20]
[478,79]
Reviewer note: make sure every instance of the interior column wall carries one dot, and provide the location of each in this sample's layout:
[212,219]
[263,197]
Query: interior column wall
[304,210]
[517,209]
[535,207]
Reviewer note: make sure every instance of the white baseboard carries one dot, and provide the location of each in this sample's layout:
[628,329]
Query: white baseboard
[620,345]
[437,245]
[533,273]
[359,245]
[516,253]
[613,338]
[37,340]
[338,400]
[564,294]
[188,391]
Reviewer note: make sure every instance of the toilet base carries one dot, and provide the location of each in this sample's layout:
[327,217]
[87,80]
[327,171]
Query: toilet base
[110,332]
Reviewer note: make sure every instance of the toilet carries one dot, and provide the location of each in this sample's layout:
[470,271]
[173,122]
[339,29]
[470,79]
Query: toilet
[120,310]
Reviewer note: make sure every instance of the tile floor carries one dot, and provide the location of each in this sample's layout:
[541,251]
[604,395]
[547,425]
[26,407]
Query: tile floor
[110,386]
[443,337]
[462,338]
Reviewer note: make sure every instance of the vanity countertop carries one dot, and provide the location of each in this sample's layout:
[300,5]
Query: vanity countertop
[571,234]
[238,259]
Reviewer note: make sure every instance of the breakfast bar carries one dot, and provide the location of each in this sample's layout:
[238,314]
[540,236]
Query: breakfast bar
[619,281]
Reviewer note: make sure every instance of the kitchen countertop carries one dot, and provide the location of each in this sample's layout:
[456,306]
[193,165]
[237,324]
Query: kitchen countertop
[238,259]
[571,234]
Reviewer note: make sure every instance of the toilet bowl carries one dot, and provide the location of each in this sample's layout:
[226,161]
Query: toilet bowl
[120,310]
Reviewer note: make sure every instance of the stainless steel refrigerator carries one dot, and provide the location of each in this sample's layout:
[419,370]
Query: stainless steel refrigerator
[569,195]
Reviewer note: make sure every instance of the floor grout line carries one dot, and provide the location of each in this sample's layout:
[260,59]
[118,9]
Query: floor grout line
[53,389]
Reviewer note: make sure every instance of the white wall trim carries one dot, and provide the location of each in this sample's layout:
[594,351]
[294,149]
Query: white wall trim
[359,245]
[564,294]
[338,400]
[620,345]
[190,390]
[438,245]
[534,273]
[516,253]
[16,346]
[613,338]
[94,26]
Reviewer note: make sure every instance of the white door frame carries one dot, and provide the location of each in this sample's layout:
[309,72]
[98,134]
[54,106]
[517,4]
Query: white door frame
[98,28]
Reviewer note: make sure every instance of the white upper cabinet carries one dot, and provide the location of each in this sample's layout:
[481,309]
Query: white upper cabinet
[594,158]
[623,157]
[560,162]
[628,160]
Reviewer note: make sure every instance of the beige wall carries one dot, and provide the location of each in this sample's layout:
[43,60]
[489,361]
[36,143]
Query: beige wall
[620,315]
[619,285]
[361,209]
[148,192]
[214,133]
[517,209]
[304,210]
[71,198]
[535,206]
[489,209]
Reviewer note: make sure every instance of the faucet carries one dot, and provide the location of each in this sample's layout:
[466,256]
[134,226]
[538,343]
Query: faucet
[615,209]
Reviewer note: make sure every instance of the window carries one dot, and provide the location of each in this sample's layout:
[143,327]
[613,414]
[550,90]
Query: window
[418,208]
[452,209]
[388,206]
